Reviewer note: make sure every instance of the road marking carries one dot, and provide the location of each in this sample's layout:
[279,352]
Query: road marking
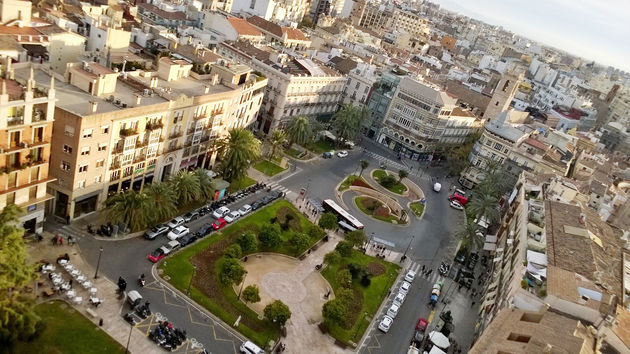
[431,315]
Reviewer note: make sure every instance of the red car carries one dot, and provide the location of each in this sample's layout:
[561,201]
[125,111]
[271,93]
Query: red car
[219,223]
[422,325]
[156,255]
[460,196]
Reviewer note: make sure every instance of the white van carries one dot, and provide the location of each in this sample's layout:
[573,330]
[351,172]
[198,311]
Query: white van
[251,348]
[437,187]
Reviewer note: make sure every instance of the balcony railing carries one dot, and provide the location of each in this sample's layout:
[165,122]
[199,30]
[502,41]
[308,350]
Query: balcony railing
[168,149]
[140,158]
[115,165]
[39,116]
[175,135]
[11,121]
[154,126]
[142,143]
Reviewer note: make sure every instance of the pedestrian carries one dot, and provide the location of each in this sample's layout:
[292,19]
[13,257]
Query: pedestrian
[429,272]
[389,292]
[423,269]
[54,240]
[68,219]
[60,240]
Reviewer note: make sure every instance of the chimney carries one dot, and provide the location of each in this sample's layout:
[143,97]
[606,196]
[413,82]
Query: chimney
[154,82]
[93,106]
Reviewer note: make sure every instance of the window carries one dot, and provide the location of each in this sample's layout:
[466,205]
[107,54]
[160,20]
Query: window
[32,192]
[519,338]
[83,168]
[69,131]
[498,146]
[100,163]
[98,179]
[65,166]
[11,198]
[105,129]
[87,133]
[85,151]
[81,184]
[489,142]
[102,147]
[67,149]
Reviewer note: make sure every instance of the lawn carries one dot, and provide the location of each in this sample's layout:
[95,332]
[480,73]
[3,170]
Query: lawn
[67,331]
[240,184]
[321,146]
[268,168]
[376,209]
[371,296]
[417,208]
[397,188]
[216,297]
[297,154]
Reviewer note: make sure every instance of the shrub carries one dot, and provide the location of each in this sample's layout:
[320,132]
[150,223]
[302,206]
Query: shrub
[328,221]
[230,271]
[356,237]
[251,294]
[388,181]
[277,312]
[269,236]
[524,284]
[234,251]
[316,232]
[366,279]
[355,269]
[247,241]
[344,278]
[332,257]
[344,248]
[334,311]
[298,242]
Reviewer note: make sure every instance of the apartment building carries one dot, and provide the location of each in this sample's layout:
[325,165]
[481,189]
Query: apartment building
[28,112]
[124,130]
[297,86]
[274,33]
[277,11]
[461,125]
[411,23]
[381,98]
[416,118]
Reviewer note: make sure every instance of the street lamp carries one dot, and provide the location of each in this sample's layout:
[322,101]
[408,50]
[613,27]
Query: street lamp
[409,245]
[98,263]
[242,283]
[191,279]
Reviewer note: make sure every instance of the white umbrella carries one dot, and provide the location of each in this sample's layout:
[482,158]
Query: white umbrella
[439,339]
[436,350]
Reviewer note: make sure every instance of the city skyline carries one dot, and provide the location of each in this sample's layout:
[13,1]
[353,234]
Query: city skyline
[586,28]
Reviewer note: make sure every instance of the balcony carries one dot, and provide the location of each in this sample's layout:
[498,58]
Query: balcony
[39,116]
[154,126]
[142,143]
[175,135]
[128,132]
[118,149]
[171,149]
[140,158]
[114,165]
[13,121]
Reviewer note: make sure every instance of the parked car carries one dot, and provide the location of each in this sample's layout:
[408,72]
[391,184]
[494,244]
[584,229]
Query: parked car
[170,247]
[219,223]
[437,187]
[410,276]
[342,153]
[404,288]
[327,155]
[221,212]
[178,232]
[176,222]
[257,204]
[204,230]
[422,324]
[191,216]
[250,348]
[245,209]
[187,239]
[156,231]
[460,196]
[400,299]
[456,205]
[232,216]
[386,324]
[156,255]
[393,311]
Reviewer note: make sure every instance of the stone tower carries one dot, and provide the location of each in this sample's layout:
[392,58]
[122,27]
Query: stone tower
[502,95]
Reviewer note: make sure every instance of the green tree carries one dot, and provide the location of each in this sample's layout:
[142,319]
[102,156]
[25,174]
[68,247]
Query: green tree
[206,186]
[134,209]
[164,199]
[364,164]
[239,150]
[344,248]
[402,174]
[298,242]
[269,236]
[230,271]
[18,319]
[306,22]
[316,232]
[344,278]
[356,237]
[346,296]
[348,121]
[233,251]
[277,139]
[332,257]
[298,131]
[186,186]
[387,181]
[469,235]
[328,221]
[457,156]
[251,294]
[277,312]
[334,312]
[247,241]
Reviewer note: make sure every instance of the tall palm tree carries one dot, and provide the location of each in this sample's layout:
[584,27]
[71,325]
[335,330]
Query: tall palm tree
[298,131]
[485,205]
[164,198]
[186,186]
[469,235]
[278,138]
[364,164]
[205,183]
[347,122]
[134,209]
[240,148]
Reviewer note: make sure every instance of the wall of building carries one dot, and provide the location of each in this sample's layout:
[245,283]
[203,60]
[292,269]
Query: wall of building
[65,48]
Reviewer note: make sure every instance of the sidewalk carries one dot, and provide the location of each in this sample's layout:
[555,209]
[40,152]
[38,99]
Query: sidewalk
[110,309]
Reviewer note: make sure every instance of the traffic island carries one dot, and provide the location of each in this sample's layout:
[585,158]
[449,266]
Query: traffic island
[378,210]
[389,181]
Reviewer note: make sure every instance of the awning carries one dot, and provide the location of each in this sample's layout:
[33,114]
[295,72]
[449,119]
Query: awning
[487,246]
[536,258]
[439,339]
[317,205]
[491,238]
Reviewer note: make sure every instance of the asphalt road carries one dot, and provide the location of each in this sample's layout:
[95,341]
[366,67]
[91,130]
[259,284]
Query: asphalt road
[432,241]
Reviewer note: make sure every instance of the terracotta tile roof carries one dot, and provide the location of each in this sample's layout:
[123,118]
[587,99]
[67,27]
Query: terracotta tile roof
[202,56]
[14,89]
[265,25]
[24,31]
[243,28]
[294,34]
[536,143]
[175,15]
[344,65]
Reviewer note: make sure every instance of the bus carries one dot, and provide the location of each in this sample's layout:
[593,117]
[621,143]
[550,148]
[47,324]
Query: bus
[330,205]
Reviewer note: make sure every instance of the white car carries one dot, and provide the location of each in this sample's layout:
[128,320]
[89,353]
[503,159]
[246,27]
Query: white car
[170,247]
[400,299]
[342,153]
[245,209]
[178,232]
[232,216]
[251,348]
[410,276]
[386,324]
[437,187]
[175,222]
[393,311]
[219,213]
[456,205]
[404,288]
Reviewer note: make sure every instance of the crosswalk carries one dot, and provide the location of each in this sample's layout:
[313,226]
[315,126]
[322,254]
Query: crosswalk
[278,187]
[417,267]
[395,166]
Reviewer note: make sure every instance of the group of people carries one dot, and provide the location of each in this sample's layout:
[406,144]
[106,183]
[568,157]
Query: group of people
[57,240]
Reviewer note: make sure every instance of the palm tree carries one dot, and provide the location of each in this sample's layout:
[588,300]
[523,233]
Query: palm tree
[364,164]
[164,198]
[469,235]
[485,205]
[186,186]
[298,131]
[278,138]
[347,122]
[402,174]
[206,185]
[240,148]
[134,209]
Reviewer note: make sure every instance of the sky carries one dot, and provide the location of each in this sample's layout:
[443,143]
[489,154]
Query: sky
[593,29]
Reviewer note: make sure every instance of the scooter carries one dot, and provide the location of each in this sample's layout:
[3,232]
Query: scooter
[141,280]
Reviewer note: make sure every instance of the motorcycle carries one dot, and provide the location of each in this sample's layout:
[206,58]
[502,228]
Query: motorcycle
[141,281]
[444,268]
